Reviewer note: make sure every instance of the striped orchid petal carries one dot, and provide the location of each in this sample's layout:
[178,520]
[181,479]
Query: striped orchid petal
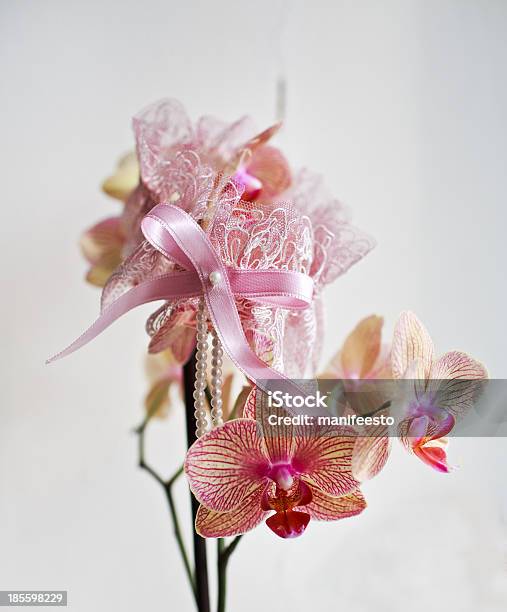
[328,508]
[325,459]
[279,439]
[227,464]
[411,344]
[249,405]
[455,379]
[211,524]
[370,454]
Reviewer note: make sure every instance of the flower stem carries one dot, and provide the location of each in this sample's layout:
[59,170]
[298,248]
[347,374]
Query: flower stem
[177,530]
[223,555]
[201,564]
[167,486]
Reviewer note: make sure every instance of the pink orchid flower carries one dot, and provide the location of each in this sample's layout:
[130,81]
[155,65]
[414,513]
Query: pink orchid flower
[244,472]
[440,390]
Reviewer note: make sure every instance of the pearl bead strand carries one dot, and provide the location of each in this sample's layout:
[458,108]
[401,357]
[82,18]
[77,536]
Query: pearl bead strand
[216,381]
[201,421]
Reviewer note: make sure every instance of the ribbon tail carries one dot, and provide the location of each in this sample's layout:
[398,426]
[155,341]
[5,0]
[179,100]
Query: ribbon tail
[148,291]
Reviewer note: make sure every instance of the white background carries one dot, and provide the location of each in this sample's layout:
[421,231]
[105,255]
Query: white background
[401,104]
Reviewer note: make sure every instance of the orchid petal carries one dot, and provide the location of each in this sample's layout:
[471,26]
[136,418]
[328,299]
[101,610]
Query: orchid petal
[211,524]
[173,328]
[102,246]
[162,371]
[125,179]
[370,454]
[227,464]
[325,460]
[263,137]
[179,339]
[156,401]
[325,507]
[456,380]
[98,275]
[249,406]
[362,347]
[223,141]
[411,343]
[270,167]
[102,243]
[163,365]
[280,438]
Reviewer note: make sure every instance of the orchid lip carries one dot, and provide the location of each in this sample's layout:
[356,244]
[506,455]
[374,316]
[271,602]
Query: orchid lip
[288,524]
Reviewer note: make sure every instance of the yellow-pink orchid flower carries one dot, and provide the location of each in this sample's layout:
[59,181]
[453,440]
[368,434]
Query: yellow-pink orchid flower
[102,246]
[246,471]
[364,357]
[440,390]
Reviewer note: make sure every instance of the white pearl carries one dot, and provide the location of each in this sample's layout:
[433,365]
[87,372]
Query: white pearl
[217,391]
[215,277]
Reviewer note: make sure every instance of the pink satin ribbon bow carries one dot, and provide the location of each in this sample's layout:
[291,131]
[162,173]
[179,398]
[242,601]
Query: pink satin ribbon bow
[178,237]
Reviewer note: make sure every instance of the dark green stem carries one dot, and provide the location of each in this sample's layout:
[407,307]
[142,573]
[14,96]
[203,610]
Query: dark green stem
[223,555]
[167,486]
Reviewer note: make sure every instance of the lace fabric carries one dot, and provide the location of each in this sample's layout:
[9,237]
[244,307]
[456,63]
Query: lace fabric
[301,229]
